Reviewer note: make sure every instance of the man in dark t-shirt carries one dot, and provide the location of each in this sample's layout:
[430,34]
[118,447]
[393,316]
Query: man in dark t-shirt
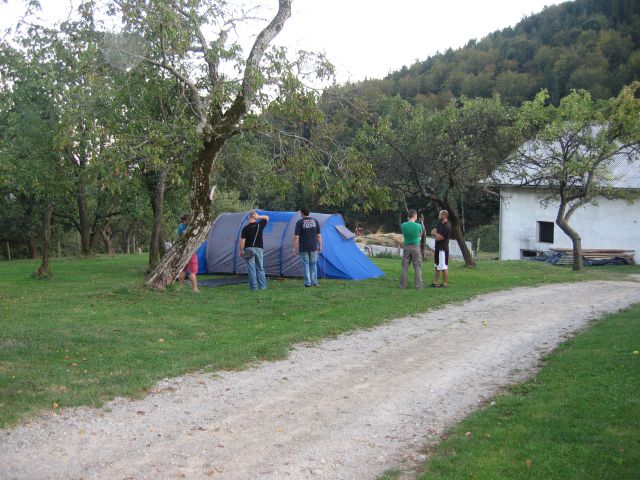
[307,241]
[251,241]
[442,233]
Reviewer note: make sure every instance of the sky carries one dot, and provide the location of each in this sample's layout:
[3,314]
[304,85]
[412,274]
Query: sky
[371,38]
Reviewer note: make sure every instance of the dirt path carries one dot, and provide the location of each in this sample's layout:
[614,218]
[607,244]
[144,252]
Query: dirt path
[347,408]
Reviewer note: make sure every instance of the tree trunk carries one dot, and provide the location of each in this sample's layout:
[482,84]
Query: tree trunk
[454,218]
[423,236]
[162,243]
[155,182]
[127,239]
[44,271]
[31,245]
[174,261]
[85,226]
[8,250]
[576,240]
[105,233]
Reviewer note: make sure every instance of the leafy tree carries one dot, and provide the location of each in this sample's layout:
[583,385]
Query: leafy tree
[155,141]
[439,156]
[581,44]
[71,98]
[27,159]
[308,164]
[571,150]
[172,35]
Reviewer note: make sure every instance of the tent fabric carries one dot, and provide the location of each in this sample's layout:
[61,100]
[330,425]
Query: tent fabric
[340,257]
[345,232]
[202,258]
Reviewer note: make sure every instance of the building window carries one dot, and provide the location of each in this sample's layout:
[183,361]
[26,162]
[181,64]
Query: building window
[545,232]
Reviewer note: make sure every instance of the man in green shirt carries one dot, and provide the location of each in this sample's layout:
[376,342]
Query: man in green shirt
[411,232]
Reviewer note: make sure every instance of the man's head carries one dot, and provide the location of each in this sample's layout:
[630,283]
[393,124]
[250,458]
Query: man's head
[443,216]
[253,215]
[412,215]
[185,218]
[304,211]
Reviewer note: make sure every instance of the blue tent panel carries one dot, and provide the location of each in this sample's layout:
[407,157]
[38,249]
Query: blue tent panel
[202,258]
[341,258]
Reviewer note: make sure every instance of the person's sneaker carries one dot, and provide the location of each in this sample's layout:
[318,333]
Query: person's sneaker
[443,285]
[315,285]
[307,286]
[434,285]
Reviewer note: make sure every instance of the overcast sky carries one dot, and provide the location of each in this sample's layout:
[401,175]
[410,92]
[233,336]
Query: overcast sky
[370,38]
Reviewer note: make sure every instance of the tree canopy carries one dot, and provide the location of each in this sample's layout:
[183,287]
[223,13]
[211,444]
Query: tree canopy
[572,151]
[584,44]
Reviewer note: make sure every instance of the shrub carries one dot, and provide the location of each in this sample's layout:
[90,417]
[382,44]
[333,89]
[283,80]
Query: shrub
[489,237]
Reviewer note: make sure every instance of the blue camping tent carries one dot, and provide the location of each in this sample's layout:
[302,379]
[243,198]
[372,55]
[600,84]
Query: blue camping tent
[340,257]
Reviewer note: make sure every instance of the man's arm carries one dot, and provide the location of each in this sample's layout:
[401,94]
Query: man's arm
[319,240]
[295,244]
[241,247]
[263,217]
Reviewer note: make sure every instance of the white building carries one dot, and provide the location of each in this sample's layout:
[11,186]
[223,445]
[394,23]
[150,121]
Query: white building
[527,227]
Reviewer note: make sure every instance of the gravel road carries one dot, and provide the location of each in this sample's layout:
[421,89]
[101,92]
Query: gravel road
[346,408]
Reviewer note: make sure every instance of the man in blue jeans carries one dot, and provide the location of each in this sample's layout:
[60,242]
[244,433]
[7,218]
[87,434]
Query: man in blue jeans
[308,242]
[251,241]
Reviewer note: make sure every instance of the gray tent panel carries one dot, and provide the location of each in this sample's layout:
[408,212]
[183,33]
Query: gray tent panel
[345,232]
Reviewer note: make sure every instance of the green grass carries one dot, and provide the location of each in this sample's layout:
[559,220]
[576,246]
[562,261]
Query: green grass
[579,418]
[94,332]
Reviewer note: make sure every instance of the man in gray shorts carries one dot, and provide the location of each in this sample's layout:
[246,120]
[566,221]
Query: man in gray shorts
[411,232]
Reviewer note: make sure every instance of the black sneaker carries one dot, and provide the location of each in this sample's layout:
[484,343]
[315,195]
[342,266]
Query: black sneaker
[443,285]
[434,285]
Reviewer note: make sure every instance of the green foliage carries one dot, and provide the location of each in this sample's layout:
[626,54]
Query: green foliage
[290,157]
[588,44]
[573,145]
[438,157]
[489,237]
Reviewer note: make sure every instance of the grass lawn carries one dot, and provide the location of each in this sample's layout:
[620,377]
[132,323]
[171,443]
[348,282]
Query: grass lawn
[579,418]
[95,332]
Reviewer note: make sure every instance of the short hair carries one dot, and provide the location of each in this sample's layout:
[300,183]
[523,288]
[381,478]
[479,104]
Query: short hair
[304,211]
[253,213]
[185,218]
[412,213]
[445,213]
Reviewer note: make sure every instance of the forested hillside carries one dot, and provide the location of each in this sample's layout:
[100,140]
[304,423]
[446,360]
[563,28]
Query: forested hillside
[588,44]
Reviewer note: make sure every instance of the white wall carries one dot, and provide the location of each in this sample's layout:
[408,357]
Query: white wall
[612,224]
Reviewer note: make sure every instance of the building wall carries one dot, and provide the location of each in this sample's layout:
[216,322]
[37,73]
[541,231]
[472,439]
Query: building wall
[612,224]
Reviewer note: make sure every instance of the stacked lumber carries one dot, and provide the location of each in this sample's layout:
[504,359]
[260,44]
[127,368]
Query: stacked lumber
[594,254]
